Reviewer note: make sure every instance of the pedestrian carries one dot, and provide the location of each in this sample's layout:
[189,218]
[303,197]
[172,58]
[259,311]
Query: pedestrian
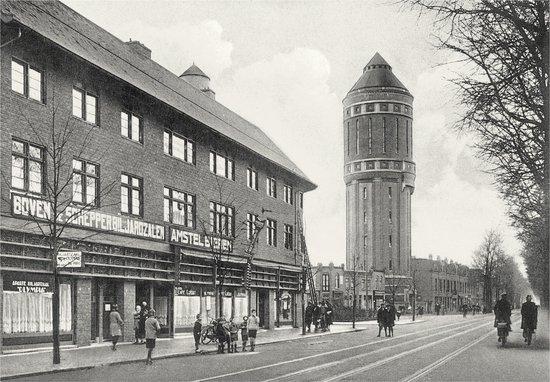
[309,315]
[115,325]
[464,310]
[390,318]
[503,312]
[381,319]
[152,327]
[253,325]
[137,314]
[317,316]
[528,318]
[222,333]
[323,316]
[233,336]
[244,332]
[143,314]
[197,329]
[330,314]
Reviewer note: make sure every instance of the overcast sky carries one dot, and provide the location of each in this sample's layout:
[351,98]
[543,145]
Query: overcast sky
[287,65]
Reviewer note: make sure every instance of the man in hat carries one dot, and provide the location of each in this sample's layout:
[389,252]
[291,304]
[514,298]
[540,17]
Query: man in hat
[381,317]
[528,318]
[152,327]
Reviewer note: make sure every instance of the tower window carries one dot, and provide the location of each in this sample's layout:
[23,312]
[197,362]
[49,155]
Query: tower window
[364,192]
[365,216]
[396,135]
[384,135]
[407,136]
[348,138]
[389,216]
[369,136]
[365,240]
[390,265]
[389,241]
[356,137]
[389,192]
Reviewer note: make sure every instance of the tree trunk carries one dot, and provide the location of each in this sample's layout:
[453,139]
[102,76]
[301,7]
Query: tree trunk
[55,314]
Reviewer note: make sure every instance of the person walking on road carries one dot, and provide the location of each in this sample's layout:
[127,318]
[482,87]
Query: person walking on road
[503,311]
[152,327]
[197,329]
[253,325]
[115,325]
[244,332]
[137,314]
[390,318]
[309,315]
[381,319]
[528,318]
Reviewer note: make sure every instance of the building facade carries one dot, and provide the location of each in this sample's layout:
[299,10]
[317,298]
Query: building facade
[163,194]
[379,172]
[446,283]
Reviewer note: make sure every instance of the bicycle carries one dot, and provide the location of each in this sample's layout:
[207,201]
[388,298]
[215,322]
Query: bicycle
[208,334]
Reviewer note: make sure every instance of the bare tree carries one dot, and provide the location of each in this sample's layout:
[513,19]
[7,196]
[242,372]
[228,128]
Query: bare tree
[504,47]
[488,258]
[58,143]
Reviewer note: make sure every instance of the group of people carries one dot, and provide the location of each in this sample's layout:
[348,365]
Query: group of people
[529,315]
[465,308]
[385,316]
[319,315]
[227,332]
[146,328]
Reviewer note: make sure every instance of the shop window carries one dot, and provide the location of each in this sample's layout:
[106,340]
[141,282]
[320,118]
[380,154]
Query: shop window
[131,196]
[271,232]
[222,166]
[179,147]
[285,307]
[289,236]
[131,126]
[185,310]
[27,80]
[27,167]
[179,207]
[222,219]
[252,179]
[288,195]
[85,182]
[271,187]
[85,105]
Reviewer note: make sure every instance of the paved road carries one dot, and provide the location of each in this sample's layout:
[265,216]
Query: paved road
[441,348]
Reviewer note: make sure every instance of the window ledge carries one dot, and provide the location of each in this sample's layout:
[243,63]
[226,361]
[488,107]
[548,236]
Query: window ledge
[23,96]
[176,158]
[84,121]
[131,140]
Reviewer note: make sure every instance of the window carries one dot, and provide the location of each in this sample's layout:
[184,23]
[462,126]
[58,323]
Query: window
[85,182]
[222,219]
[288,194]
[407,135]
[383,135]
[364,192]
[27,80]
[251,228]
[179,207]
[384,107]
[289,237]
[252,179]
[27,166]
[396,135]
[271,187]
[131,126]
[325,282]
[365,241]
[130,195]
[389,241]
[389,216]
[179,147]
[85,106]
[369,136]
[301,199]
[389,193]
[364,216]
[390,265]
[356,137]
[271,232]
[221,166]
[347,142]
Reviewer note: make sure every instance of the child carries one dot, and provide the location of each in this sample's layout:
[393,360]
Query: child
[152,326]
[197,329]
[222,333]
[244,332]
[233,336]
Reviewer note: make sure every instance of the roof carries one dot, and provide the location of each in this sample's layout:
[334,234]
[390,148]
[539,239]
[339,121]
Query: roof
[378,73]
[194,70]
[78,35]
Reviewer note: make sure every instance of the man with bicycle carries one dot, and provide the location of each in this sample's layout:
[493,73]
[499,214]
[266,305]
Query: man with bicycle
[528,319]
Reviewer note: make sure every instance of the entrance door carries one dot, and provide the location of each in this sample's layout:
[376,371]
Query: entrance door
[263,308]
[109,299]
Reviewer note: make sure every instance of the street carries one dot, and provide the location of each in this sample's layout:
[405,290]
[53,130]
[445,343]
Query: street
[439,348]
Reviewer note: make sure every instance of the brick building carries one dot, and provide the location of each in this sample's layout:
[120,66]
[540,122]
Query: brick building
[160,176]
[379,173]
[446,283]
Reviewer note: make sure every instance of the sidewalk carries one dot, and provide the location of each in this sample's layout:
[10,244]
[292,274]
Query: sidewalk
[19,364]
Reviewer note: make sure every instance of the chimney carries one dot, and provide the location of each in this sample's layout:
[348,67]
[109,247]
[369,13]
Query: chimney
[139,48]
[196,77]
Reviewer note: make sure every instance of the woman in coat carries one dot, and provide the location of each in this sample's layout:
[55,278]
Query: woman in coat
[115,325]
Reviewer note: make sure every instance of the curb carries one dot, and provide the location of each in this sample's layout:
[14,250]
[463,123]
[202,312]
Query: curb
[165,356]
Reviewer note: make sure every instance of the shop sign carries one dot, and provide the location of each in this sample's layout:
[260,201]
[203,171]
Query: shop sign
[23,205]
[27,283]
[206,292]
[66,259]
[227,293]
[193,239]
[183,291]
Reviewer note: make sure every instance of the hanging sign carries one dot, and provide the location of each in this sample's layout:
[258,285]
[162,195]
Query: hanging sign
[67,259]
[27,282]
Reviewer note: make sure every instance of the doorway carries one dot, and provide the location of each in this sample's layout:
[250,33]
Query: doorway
[263,308]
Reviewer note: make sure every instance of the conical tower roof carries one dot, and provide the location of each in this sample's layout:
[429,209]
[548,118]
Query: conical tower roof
[377,73]
[194,70]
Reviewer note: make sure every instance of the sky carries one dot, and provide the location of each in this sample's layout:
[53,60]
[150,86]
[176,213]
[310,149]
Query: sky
[287,65]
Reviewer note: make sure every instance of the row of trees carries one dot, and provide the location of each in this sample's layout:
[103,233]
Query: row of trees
[503,47]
